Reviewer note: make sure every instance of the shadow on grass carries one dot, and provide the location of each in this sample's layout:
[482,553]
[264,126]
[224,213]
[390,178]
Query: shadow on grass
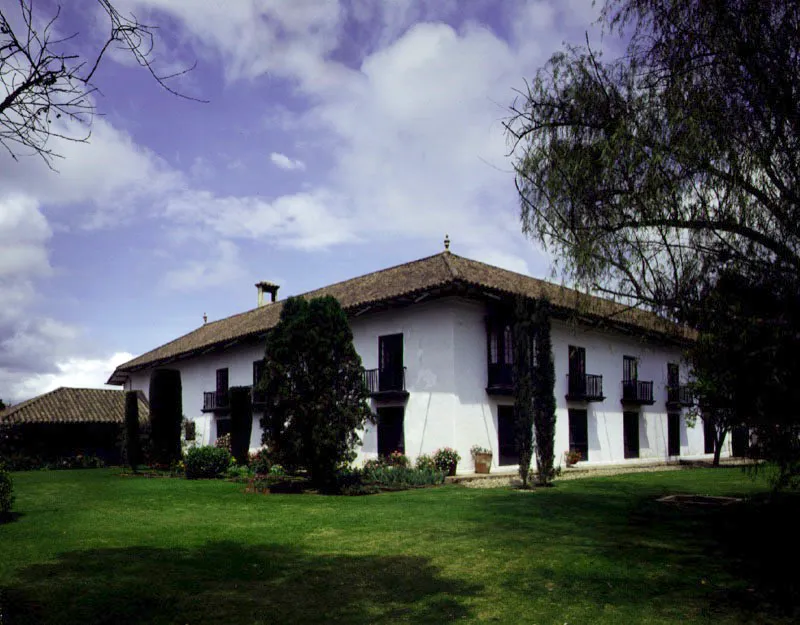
[227,582]
[737,562]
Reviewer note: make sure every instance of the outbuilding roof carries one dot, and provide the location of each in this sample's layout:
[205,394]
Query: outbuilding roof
[74,405]
[442,273]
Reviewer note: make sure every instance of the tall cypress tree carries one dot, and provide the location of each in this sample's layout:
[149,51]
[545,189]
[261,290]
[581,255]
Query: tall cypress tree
[241,422]
[524,332]
[544,400]
[166,414]
[133,443]
[316,399]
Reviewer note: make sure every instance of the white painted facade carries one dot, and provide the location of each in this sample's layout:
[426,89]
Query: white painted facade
[445,355]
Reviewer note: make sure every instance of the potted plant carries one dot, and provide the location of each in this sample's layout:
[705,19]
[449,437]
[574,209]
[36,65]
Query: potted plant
[481,458]
[446,460]
[572,457]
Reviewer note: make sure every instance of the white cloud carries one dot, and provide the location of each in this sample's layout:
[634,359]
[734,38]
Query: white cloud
[284,162]
[220,265]
[72,372]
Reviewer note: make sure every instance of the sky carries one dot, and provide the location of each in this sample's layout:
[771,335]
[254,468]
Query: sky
[339,137]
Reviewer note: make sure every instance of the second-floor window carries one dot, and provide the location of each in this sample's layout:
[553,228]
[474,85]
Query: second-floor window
[629,369]
[501,344]
[673,375]
[222,381]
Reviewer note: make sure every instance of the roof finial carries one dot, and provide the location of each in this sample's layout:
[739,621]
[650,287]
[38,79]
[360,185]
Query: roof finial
[446,242]
[205,319]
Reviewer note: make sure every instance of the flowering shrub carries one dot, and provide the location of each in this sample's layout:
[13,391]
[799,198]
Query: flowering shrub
[572,456]
[397,459]
[425,462]
[207,462]
[446,459]
[223,442]
[260,462]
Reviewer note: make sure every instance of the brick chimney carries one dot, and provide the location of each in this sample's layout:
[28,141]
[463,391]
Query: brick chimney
[266,287]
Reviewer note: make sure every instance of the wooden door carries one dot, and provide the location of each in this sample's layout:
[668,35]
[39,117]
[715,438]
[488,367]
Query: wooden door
[674,434]
[506,438]
[630,434]
[391,435]
[577,371]
[579,432]
[390,362]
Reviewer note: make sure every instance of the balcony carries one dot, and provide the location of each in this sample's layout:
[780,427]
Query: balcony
[585,388]
[637,392]
[216,401]
[679,396]
[386,383]
[501,379]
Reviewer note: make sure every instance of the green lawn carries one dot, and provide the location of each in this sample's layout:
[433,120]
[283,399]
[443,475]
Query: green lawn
[95,547]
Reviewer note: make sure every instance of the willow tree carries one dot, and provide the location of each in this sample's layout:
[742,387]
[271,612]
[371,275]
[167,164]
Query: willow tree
[648,175]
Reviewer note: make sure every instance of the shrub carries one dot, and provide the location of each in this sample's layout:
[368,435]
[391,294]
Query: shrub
[260,462]
[6,493]
[374,463]
[207,462]
[425,462]
[397,459]
[223,442]
[277,470]
[446,459]
[400,478]
[241,421]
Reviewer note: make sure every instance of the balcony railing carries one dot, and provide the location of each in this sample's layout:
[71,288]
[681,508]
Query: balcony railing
[637,392]
[679,396]
[215,400]
[586,387]
[501,379]
[386,382]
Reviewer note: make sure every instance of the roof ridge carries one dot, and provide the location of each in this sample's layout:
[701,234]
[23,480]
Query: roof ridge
[453,271]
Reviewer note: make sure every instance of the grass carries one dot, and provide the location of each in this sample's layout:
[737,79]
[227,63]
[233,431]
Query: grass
[91,546]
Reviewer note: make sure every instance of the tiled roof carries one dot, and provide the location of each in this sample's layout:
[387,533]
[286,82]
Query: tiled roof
[74,405]
[434,272]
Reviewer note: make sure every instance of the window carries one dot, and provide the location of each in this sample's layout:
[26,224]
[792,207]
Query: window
[390,362]
[258,372]
[391,436]
[630,434]
[506,441]
[577,370]
[674,434]
[629,369]
[709,434]
[508,346]
[673,375]
[579,432]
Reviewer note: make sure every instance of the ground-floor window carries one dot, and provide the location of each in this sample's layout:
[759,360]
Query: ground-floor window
[506,440]
[709,434]
[579,432]
[630,434]
[391,436]
[674,434]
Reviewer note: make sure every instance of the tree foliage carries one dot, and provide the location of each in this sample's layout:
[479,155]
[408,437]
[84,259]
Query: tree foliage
[648,173]
[241,422]
[46,82]
[166,415]
[544,399]
[133,444]
[524,333]
[313,382]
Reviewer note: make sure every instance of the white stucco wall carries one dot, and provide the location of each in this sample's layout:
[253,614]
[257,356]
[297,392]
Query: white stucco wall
[444,345]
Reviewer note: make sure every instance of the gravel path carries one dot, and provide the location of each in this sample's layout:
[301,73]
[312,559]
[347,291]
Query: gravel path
[576,474]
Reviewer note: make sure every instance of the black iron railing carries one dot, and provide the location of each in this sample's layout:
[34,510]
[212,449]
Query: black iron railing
[215,400]
[637,391]
[587,387]
[679,396]
[385,380]
[501,375]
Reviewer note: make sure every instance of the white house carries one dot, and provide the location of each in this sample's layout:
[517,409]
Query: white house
[435,343]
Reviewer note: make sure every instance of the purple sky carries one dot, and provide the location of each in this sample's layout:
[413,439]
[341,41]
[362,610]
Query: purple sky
[340,137]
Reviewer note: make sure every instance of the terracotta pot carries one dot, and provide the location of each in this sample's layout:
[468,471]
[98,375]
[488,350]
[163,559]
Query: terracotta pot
[483,463]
